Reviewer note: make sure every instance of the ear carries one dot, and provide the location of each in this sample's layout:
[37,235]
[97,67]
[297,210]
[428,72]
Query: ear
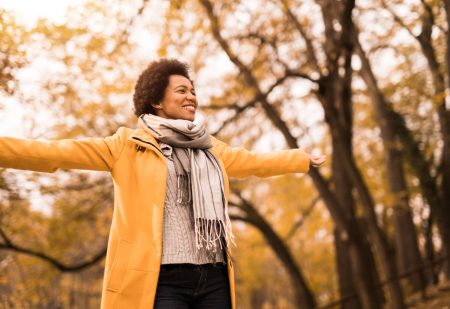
[157,105]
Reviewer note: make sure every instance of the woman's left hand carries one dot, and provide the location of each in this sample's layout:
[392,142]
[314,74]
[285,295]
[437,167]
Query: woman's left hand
[317,161]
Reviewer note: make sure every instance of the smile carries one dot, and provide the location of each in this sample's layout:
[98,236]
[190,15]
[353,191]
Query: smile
[190,108]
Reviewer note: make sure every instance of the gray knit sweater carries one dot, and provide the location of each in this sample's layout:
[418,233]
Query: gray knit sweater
[178,227]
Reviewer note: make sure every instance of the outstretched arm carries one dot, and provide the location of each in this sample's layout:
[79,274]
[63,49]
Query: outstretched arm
[48,156]
[240,162]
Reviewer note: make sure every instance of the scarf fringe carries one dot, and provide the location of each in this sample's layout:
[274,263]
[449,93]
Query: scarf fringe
[209,234]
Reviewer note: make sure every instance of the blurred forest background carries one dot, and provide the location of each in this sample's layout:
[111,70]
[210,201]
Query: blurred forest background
[365,83]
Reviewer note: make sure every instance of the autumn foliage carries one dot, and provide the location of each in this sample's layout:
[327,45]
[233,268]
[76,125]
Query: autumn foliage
[365,83]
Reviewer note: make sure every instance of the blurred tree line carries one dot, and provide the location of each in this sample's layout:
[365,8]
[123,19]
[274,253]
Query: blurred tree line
[366,83]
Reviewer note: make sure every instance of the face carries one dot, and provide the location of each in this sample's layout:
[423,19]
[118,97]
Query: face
[179,100]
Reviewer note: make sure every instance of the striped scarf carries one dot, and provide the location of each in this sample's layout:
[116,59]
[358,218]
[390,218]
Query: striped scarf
[197,168]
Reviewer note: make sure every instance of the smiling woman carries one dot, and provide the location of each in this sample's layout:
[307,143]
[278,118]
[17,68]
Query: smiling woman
[179,100]
[166,90]
[170,238]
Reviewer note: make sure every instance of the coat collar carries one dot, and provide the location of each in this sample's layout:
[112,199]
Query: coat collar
[144,136]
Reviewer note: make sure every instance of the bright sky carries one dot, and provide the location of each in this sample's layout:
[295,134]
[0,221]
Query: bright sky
[30,10]
[27,12]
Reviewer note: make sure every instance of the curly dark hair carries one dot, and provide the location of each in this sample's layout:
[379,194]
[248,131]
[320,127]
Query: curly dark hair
[152,83]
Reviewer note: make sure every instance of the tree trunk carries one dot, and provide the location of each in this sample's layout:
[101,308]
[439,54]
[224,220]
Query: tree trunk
[335,95]
[375,233]
[363,270]
[431,274]
[344,269]
[343,191]
[360,268]
[425,41]
[444,119]
[407,248]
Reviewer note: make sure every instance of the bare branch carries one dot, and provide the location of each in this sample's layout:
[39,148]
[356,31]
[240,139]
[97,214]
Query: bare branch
[239,109]
[238,112]
[262,39]
[271,112]
[397,18]
[310,52]
[6,238]
[241,218]
[123,36]
[304,216]
[292,73]
[9,245]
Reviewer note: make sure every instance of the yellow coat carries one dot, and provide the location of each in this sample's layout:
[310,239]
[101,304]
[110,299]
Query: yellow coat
[139,174]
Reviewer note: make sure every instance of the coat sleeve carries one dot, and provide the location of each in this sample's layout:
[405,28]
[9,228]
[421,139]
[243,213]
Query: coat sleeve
[239,162]
[48,156]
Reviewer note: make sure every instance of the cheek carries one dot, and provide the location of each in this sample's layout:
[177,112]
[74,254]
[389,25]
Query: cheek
[177,101]
[173,104]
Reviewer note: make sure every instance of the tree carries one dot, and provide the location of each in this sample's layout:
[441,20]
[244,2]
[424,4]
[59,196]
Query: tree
[310,74]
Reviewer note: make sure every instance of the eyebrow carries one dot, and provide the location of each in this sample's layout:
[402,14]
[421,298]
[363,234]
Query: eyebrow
[183,86]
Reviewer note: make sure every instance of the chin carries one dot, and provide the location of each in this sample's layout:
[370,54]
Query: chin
[189,118]
[183,117]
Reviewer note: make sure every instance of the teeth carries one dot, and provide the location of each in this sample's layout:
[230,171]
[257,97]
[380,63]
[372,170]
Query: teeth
[189,108]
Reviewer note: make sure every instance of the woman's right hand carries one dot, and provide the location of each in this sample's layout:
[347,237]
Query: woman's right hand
[317,161]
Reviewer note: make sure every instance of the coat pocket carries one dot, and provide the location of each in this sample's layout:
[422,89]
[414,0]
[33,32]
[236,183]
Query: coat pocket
[119,265]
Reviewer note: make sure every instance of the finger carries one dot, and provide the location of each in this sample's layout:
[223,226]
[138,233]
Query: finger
[320,159]
[317,161]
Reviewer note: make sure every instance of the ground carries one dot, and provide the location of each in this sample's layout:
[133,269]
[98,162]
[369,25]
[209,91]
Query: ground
[437,297]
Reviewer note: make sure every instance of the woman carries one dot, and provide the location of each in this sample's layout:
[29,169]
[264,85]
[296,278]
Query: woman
[170,235]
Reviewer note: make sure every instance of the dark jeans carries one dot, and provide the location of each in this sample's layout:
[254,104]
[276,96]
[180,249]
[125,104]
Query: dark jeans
[187,286]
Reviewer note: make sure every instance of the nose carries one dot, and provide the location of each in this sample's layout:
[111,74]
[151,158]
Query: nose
[191,96]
